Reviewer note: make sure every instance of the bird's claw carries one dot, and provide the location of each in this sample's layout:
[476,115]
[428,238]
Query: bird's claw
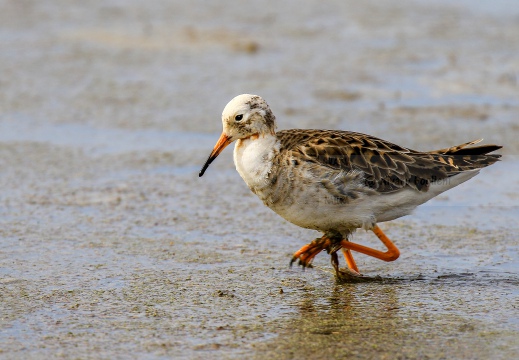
[306,254]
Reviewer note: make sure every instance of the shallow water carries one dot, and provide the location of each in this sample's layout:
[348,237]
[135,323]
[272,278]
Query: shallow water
[111,246]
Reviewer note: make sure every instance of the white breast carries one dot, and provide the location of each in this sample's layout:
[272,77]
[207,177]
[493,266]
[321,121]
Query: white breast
[253,160]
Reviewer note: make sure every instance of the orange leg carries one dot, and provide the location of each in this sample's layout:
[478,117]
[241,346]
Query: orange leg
[350,261]
[307,253]
[391,254]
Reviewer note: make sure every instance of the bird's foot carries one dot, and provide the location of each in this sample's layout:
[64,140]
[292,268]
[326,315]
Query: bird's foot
[344,273]
[306,254]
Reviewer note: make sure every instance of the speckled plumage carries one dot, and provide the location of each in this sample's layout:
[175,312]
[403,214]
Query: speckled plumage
[337,181]
[386,166]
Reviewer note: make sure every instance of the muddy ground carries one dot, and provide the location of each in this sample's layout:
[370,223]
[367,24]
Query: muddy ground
[112,247]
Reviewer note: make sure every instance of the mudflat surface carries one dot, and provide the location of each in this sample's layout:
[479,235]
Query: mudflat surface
[112,247]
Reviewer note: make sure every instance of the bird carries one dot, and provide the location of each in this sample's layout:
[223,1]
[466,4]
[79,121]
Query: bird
[337,181]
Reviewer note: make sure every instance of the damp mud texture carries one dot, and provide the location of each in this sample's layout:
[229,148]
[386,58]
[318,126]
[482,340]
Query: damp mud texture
[112,247]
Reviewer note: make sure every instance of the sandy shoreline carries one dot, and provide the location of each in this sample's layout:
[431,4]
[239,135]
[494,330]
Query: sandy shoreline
[112,247]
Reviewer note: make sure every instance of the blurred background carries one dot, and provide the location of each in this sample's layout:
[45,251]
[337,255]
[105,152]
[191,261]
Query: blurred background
[412,71]
[111,245]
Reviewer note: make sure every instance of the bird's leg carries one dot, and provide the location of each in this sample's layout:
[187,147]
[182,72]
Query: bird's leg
[307,253]
[335,262]
[335,243]
[352,267]
[350,261]
[391,254]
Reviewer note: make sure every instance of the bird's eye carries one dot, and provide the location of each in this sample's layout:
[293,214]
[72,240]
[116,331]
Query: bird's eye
[238,117]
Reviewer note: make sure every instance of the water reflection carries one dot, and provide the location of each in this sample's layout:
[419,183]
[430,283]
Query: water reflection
[350,301]
[409,316]
[343,321]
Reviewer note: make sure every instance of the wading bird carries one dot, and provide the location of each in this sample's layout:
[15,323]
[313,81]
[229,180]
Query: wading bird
[338,181]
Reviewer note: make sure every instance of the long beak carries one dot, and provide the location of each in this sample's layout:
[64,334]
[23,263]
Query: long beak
[223,141]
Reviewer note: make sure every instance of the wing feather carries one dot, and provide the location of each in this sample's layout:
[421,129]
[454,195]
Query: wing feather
[385,166]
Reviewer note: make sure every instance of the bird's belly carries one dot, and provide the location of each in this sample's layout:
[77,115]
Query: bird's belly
[316,209]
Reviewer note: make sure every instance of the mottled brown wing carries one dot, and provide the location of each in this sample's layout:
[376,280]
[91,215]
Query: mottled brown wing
[386,166]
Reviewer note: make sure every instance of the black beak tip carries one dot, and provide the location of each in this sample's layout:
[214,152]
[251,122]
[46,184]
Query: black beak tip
[206,165]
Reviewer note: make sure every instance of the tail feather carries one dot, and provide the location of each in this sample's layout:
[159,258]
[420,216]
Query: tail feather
[478,150]
[463,150]
[466,158]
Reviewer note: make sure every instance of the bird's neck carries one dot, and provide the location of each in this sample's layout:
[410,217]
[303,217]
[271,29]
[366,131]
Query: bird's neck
[258,140]
[253,158]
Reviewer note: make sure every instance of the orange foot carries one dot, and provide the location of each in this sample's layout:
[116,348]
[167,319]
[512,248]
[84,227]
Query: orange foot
[307,253]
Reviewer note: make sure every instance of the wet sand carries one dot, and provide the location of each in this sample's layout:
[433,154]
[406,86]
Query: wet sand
[112,247]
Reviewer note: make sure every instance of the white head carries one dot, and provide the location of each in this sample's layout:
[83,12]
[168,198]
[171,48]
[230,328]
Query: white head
[247,115]
[243,117]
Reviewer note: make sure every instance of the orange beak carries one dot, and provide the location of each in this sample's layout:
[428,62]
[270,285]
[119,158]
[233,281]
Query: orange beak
[223,141]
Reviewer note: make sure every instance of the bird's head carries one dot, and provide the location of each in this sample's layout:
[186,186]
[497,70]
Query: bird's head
[243,117]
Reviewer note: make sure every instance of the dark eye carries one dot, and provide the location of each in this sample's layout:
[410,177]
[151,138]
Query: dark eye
[238,117]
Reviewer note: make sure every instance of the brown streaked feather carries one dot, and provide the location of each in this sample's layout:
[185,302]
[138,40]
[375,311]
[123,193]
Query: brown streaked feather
[454,149]
[474,150]
[386,166]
